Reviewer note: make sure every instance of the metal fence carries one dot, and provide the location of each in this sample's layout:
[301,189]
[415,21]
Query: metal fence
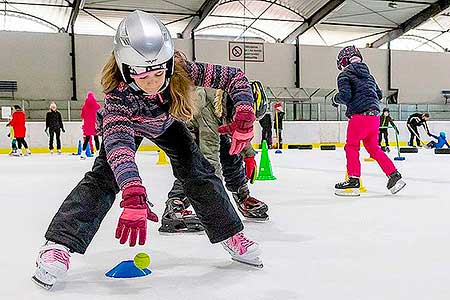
[316,111]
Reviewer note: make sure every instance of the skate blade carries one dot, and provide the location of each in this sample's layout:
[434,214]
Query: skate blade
[347,192]
[165,233]
[258,264]
[256,220]
[397,187]
[41,284]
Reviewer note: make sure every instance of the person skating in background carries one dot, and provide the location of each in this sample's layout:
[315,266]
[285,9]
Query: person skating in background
[211,112]
[18,124]
[441,141]
[359,91]
[413,123]
[385,121]
[278,123]
[53,127]
[89,116]
[13,143]
[266,129]
[148,91]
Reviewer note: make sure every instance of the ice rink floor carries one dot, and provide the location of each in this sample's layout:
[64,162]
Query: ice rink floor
[315,246]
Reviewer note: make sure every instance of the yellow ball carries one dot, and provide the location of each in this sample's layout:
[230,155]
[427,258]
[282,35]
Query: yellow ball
[141,260]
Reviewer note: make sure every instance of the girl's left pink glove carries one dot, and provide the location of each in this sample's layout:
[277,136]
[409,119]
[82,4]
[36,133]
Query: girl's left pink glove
[133,220]
[241,129]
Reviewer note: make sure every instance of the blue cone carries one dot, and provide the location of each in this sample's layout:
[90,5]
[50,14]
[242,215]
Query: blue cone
[79,148]
[88,151]
[127,269]
[399,158]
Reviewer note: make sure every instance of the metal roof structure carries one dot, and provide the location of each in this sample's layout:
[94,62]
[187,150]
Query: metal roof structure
[409,24]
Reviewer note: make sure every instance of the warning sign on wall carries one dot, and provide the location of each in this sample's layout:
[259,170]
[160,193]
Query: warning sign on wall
[238,51]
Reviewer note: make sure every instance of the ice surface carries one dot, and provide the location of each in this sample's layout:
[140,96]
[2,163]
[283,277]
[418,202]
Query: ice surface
[316,245]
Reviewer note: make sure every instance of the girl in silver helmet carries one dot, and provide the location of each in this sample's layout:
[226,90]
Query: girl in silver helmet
[149,93]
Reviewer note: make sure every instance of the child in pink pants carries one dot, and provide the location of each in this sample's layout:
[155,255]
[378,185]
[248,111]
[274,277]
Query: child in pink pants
[359,91]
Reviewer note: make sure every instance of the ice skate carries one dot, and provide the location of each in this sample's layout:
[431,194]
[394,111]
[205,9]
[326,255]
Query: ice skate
[82,156]
[52,264]
[27,152]
[243,250]
[59,151]
[16,153]
[251,208]
[177,219]
[348,188]
[51,152]
[395,183]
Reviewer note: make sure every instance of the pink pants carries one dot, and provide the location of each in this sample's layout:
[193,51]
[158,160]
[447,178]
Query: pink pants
[365,128]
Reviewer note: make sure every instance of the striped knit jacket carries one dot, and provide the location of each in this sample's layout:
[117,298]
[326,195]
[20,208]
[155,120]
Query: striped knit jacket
[128,114]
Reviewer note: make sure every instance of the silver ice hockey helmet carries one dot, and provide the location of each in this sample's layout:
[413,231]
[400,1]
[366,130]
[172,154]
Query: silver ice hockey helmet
[142,44]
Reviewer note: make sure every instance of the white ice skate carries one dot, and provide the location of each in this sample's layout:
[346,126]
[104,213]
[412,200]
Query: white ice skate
[52,264]
[243,250]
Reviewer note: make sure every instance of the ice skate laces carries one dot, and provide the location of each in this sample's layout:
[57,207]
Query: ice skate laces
[56,255]
[240,243]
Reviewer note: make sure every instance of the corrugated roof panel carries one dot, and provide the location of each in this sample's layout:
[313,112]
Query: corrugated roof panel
[179,6]
[370,12]
[59,16]
[87,24]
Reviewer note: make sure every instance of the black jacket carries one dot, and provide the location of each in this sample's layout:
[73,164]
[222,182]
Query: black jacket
[415,120]
[53,120]
[385,121]
[280,121]
[358,90]
[266,122]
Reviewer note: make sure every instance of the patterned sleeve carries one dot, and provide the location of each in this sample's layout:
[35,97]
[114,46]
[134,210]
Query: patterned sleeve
[230,79]
[345,92]
[118,136]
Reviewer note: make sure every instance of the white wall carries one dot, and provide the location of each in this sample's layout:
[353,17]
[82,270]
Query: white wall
[278,68]
[318,67]
[294,133]
[421,76]
[39,62]
[335,132]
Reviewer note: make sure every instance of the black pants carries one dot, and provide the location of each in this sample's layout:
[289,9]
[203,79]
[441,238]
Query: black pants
[383,132]
[52,133]
[86,142]
[82,212]
[414,134]
[266,135]
[21,142]
[232,169]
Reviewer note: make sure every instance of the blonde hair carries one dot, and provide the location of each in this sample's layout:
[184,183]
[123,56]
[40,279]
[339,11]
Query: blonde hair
[53,105]
[181,86]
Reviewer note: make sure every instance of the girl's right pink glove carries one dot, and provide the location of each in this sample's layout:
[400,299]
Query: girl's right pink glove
[241,129]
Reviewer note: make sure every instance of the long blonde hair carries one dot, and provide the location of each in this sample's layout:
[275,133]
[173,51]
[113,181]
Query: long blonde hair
[181,86]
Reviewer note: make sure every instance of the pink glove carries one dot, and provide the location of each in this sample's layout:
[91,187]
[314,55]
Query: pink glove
[133,220]
[241,129]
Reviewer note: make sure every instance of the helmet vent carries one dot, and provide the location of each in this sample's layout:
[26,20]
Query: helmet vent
[125,41]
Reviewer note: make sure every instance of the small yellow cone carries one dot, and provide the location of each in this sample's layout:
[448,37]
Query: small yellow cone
[162,159]
[362,189]
[368,159]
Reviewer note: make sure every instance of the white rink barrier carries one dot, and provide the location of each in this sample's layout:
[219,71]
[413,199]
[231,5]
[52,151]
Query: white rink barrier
[294,132]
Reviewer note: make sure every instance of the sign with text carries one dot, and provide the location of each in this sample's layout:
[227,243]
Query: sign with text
[6,112]
[238,51]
